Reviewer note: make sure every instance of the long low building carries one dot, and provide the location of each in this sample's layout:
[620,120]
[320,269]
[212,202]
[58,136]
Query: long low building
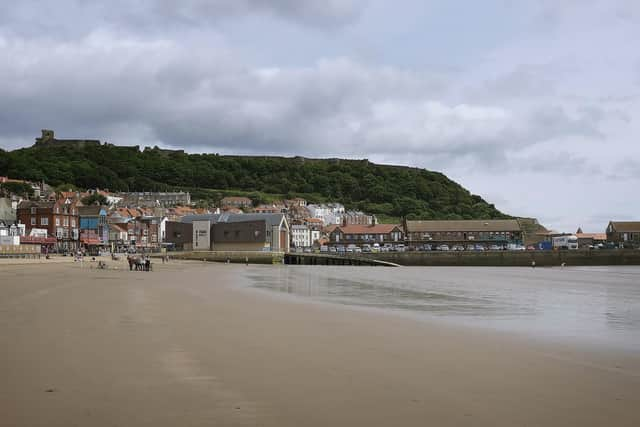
[490,231]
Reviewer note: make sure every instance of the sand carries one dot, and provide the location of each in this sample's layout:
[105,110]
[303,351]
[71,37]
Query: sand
[184,345]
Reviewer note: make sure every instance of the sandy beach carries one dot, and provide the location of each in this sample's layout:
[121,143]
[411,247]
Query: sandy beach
[185,346]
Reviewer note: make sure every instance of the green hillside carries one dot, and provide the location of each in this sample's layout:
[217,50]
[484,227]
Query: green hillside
[388,191]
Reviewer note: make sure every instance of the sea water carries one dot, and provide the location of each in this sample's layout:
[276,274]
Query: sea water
[594,305]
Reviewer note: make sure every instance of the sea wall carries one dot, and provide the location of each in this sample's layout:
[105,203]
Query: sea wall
[513,259]
[253,257]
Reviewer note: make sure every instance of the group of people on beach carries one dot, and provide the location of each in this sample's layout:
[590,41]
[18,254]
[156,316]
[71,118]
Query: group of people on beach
[139,263]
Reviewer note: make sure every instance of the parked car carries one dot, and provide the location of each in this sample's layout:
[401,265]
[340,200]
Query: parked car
[443,248]
[307,250]
[480,248]
[324,249]
[357,250]
[375,247]
[332,249]
[494,248]
[400,247]
[427,247]
[470,248]
[531,248]
[458,248]
[366,248]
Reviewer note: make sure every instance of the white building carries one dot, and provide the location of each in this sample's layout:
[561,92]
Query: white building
[330,213]
[300,236]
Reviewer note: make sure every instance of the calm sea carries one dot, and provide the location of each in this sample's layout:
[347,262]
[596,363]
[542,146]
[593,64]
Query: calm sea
[593,305]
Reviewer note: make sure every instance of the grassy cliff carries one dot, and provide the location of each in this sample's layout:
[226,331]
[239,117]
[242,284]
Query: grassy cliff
[389,191]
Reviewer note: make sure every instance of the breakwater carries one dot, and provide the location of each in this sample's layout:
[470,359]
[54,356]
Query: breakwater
[511,258]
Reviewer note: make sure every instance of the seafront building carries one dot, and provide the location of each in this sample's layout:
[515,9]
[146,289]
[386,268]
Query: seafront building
[236,232]
[463,232]
[370,234]
[624,232]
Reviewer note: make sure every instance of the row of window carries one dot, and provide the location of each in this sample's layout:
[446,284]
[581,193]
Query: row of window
[45,221]
[65,210]
[460,234]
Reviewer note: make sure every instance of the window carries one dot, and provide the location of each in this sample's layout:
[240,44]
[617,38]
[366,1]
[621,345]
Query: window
[57,222]
[33,220]
[44,220]
[65,222]
[73,222]
[33,211]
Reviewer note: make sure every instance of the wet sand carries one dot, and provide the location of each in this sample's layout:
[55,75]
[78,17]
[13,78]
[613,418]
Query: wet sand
[185,346]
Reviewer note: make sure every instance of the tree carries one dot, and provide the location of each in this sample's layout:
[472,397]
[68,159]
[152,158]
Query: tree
[94,199]
[17,188]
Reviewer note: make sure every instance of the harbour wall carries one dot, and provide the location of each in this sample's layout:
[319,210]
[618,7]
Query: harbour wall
[512,258]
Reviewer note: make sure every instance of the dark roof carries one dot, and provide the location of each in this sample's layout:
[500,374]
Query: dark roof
[626,226]
[36,204]
[464,225]
[368,229]
[271,219]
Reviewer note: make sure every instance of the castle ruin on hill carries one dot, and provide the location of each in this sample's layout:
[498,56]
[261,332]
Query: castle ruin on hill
[48,138]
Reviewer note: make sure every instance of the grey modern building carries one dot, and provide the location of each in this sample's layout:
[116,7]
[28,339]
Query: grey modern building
[240,232]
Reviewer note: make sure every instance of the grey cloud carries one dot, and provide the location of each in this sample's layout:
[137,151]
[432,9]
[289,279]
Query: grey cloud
[70,19]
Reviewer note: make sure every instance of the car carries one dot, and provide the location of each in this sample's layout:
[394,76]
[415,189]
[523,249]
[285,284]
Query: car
[357,250]
[366,248]
[458,248]
[494,248]
[399,248]
[298,250]
[480,248]
[443,248]
[531,248]
[324,248]
[307,250]
[470,248]
[427,247]
[332,249]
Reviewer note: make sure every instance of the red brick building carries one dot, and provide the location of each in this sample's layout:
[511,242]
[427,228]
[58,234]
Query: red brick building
[58,218]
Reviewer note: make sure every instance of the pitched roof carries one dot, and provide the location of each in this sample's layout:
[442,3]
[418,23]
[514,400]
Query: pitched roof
[626,226]
[48,204]
[464,225]
[594,236]
[118,228]
[368,229]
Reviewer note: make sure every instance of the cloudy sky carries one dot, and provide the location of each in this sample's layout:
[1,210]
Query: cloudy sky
[533,104]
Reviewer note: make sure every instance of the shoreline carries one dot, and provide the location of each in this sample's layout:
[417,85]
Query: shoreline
[185,345]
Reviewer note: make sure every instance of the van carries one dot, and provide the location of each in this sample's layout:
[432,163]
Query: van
[375,248]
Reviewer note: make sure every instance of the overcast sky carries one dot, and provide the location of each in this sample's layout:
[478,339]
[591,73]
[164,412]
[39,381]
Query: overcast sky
[533,104]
